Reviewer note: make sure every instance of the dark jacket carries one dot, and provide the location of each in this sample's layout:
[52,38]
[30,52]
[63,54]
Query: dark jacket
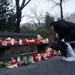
[65,30]
[60,46]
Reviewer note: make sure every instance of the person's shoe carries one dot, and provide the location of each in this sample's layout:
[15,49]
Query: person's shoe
[70,59]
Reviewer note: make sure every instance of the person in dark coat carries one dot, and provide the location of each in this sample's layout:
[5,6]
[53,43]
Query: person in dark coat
[66,34]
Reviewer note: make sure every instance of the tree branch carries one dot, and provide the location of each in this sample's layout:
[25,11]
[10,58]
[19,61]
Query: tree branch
[17,4]
[54,2]
[32,18]
[24,4]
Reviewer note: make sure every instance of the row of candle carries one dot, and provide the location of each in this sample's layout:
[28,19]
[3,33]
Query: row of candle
[23,41]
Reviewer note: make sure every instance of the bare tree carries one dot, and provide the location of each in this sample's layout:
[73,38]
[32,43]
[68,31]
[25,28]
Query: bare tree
[19,8]
[48,19]
[59,4]
[35,17]
[71,18]
[61,9]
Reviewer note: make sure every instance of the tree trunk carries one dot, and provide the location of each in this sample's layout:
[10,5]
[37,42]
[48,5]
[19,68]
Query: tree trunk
[61,9]
[18,21]
[19,12]
[18,16]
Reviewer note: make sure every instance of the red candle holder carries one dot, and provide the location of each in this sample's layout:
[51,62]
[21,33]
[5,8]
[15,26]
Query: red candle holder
[19,64]
[8,42]
[15,42]
[40,41]
[0,42]
[25,41]
[14,61]
[35,57]
[50,41]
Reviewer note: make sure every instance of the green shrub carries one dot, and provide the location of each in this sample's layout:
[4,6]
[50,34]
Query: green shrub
[3,64]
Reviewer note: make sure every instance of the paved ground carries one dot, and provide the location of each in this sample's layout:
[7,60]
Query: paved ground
[54,66]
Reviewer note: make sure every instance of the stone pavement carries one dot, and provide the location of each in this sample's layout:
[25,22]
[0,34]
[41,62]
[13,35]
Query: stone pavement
[53,66]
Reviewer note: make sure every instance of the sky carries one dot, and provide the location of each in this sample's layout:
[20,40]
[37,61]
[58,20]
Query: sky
[46,6]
